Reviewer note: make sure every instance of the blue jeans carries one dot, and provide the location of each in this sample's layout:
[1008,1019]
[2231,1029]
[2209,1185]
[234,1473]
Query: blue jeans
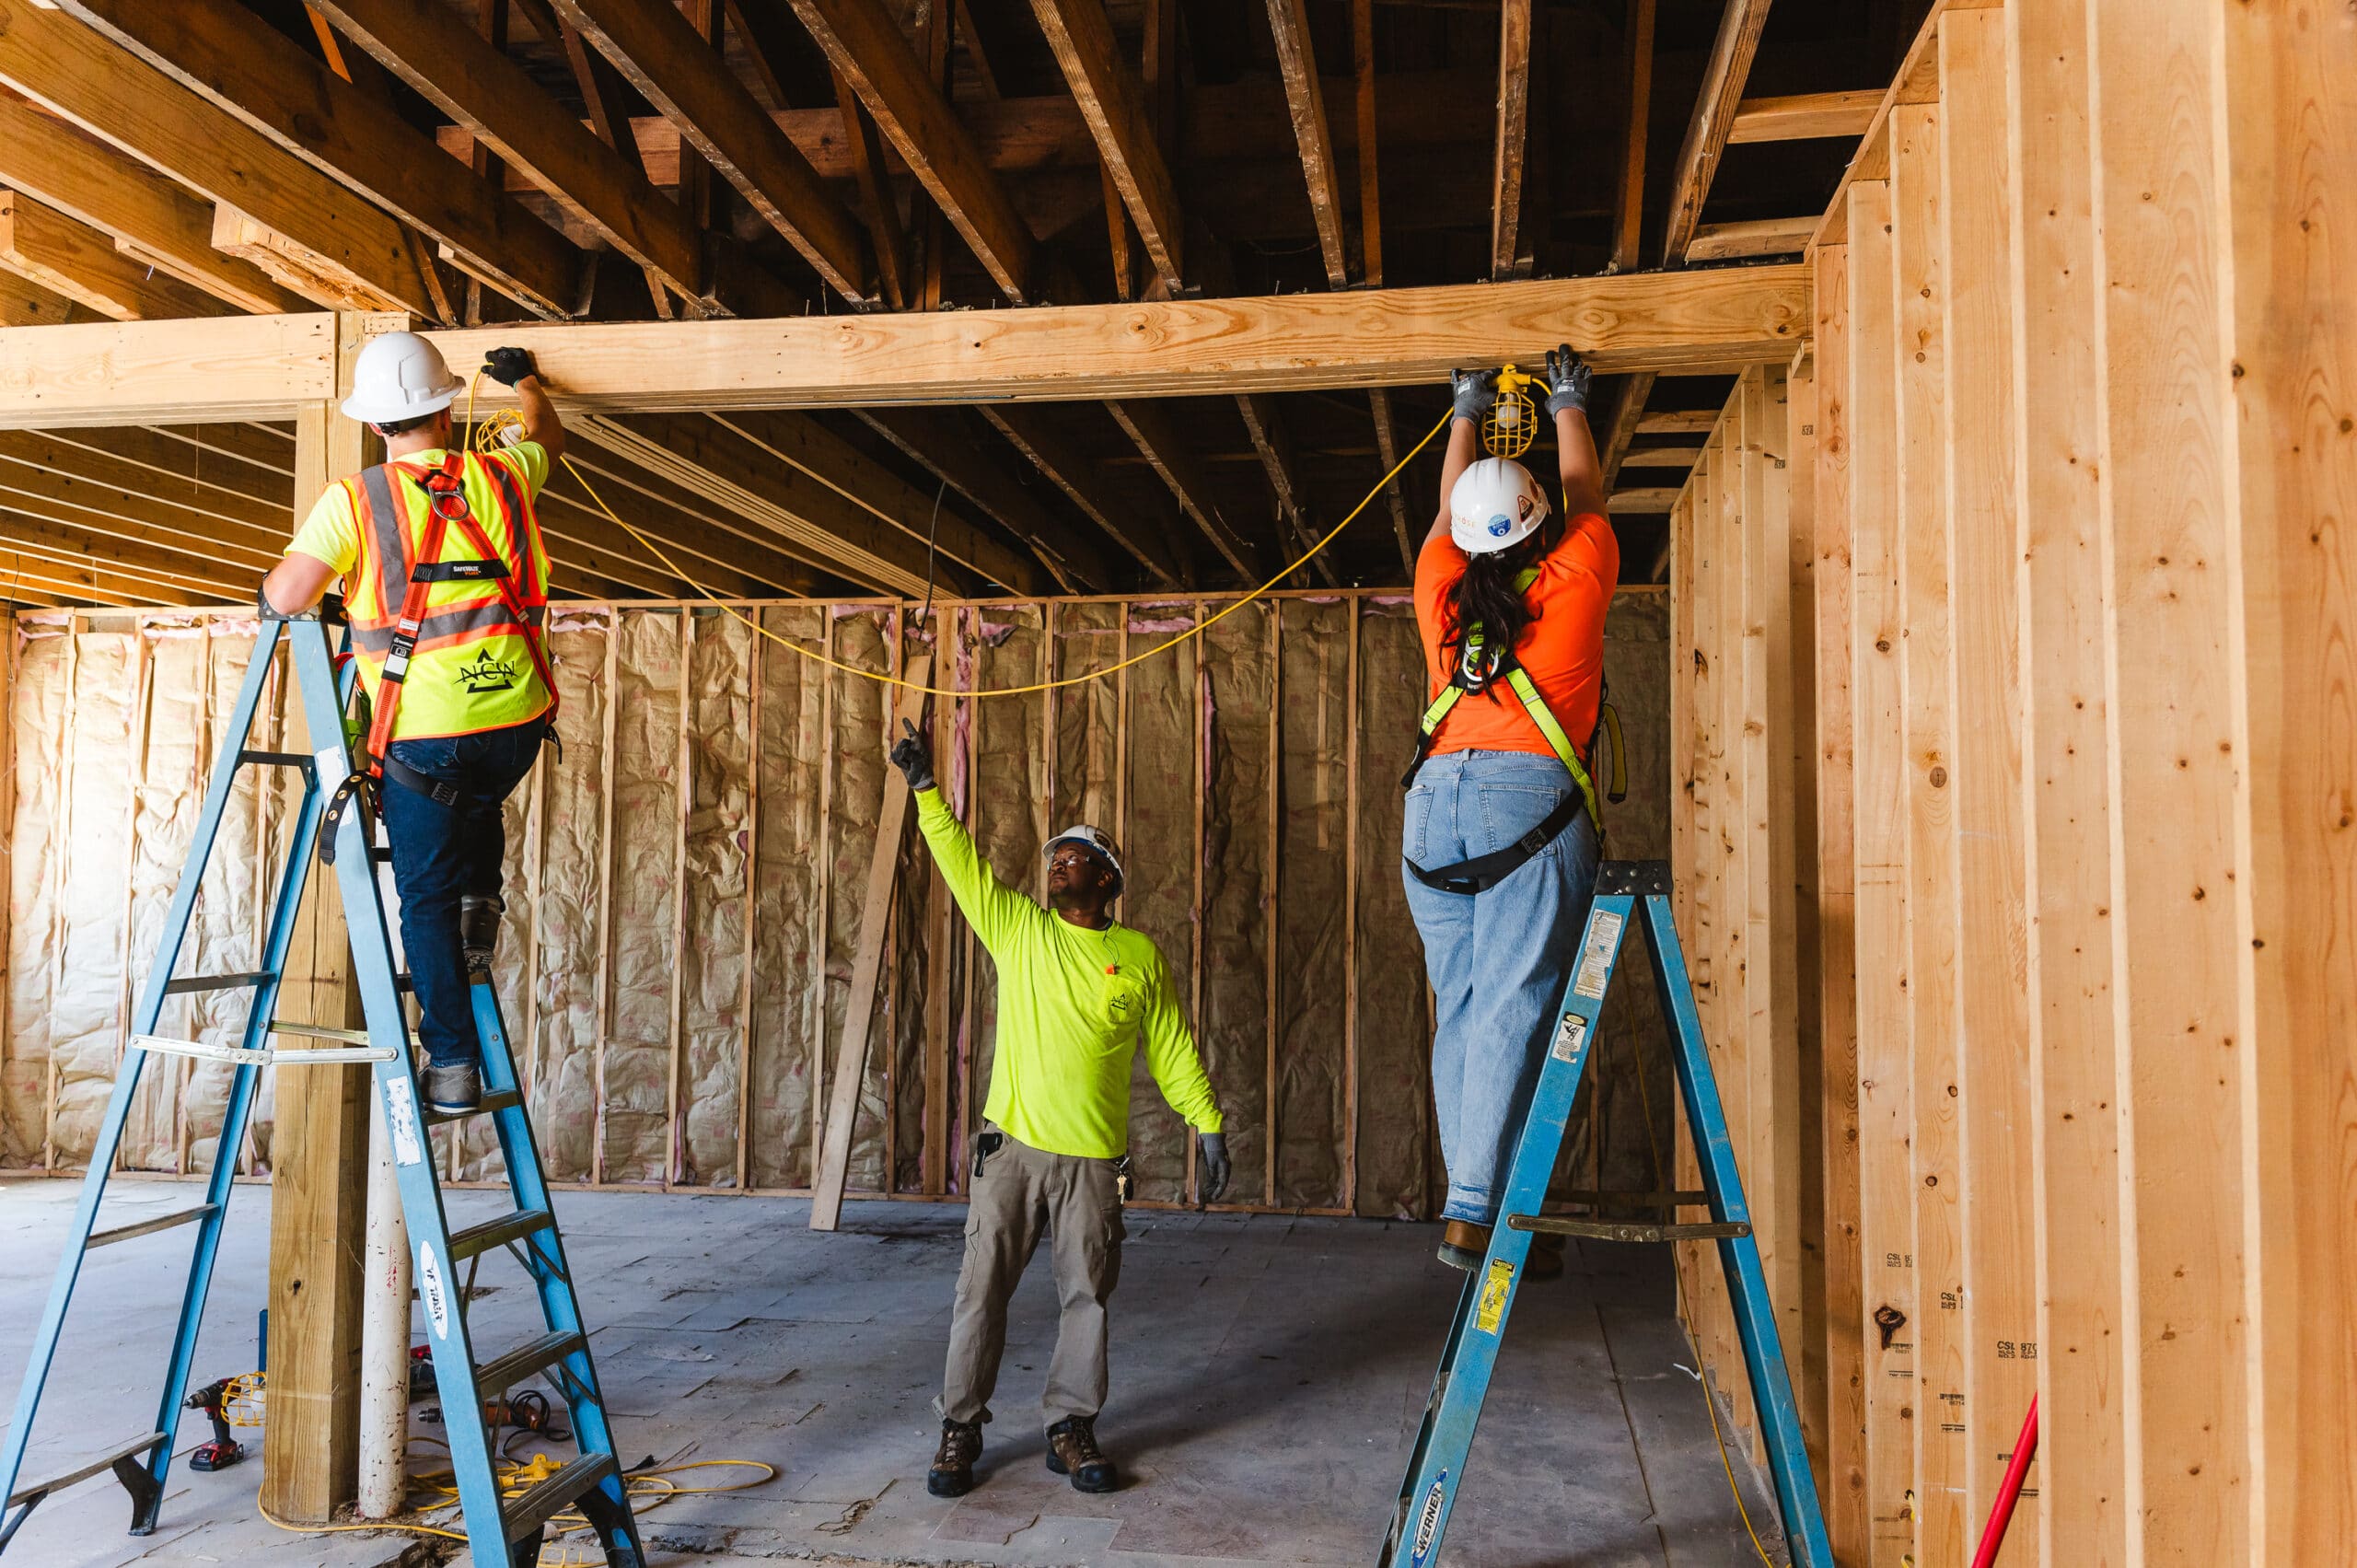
[1497,959]
[443,853]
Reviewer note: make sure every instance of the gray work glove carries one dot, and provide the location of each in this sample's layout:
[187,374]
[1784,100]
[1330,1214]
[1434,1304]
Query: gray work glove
[913,758]
[1471,392]
[1210,1176]
[1567,379]
[509,366]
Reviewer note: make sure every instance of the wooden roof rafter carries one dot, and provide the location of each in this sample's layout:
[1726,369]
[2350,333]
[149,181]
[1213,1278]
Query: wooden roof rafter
[1714,112]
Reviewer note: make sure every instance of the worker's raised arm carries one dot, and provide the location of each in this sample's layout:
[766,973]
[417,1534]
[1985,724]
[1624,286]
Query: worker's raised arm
[1472,392]
[1581,468]
[513,367]
[995,909]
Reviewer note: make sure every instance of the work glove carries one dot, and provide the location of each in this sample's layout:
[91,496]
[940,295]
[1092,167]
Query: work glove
[1210,1176]
[913,758]
[509,366]
[1471,392]
[1567,379]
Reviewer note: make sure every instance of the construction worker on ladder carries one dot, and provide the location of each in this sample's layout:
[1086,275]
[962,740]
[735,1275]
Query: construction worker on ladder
[1077,989]
[1500,835]
[445,583]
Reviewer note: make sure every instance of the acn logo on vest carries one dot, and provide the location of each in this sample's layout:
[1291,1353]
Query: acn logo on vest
[487,674]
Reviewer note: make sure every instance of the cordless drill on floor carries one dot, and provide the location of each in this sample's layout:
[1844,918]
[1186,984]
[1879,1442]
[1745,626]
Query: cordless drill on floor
[224,1450]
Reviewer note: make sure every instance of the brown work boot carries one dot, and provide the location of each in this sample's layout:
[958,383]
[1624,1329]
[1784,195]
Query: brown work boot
[1463,1244]
[953,1465]
[1073,1451]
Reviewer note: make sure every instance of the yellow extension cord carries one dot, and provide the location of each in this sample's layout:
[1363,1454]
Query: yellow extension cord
[486,438]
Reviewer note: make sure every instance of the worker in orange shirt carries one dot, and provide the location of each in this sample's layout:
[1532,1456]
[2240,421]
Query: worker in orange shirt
[1500,836]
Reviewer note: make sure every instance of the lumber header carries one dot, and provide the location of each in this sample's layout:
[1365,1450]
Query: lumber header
[261,366]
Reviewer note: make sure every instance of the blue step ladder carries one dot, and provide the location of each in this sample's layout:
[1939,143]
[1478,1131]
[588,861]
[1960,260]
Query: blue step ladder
[500,1531]
[1625,891]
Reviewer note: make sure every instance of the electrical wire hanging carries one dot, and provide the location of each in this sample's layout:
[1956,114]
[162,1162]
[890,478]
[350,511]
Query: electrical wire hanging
[486,438]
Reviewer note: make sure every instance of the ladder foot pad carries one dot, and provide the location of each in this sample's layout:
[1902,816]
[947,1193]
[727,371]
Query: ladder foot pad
[525,1514]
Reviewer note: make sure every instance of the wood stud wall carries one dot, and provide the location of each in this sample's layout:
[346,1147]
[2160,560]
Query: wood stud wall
[2077,939]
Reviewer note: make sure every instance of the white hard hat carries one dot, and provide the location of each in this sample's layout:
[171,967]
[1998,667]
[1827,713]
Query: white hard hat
[399,375]
[1495,505]
[1097,840]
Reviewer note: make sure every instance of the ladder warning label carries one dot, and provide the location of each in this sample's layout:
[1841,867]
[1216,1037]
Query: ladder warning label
[1491,1311]
[400,1116]
[1570,1038]
[1596,963]
[429,1290]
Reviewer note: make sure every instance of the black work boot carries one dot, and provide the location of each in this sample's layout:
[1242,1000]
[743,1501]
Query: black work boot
[1073,1451]
[953,1464]
[453,1090]
[478,929]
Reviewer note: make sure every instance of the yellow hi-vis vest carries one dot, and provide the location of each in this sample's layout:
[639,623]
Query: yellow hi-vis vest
[435,663]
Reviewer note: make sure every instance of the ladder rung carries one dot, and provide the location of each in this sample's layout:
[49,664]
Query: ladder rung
[482,1237]
[320,1031]
[538,1355]
[149,1227]
[186,984]
[275,759]
[86,1468]
[525,1516]
[499,1099]
[1613,1230]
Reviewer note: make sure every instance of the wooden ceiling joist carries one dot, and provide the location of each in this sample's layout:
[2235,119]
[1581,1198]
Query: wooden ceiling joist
[428,46]
[690,84]
[864,42]
[239,447]
[1804,115]
[1035,431]
[1366,120]
[1112,101]
[1509,247]
[1680,421]
[177,467]
[45,473]
[1714,110]
[1762,237]
[74,73]
[687,524]
[1629,420]
[44,246]
[880,204]
[1649,499]
[936,438]
[812,521]
[24,302]
[1629,215]
[1150,424]
[1394,494]
[231,56]
[1273,443]
[49,160]
[79,584]
[187,569]
[1661,458]
[1305,94]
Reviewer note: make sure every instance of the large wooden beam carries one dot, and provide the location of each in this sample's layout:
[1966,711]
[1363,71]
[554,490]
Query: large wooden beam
[936,438]
[231,56]
[1289,24]
[864,42]
[1508,244]
[1034,432]
[1166,451]
[1113,102]
[70,70]
[42,157]
[1714,110]
[44,246]
[690,84]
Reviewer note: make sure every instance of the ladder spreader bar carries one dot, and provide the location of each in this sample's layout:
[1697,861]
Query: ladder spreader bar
[150,1226]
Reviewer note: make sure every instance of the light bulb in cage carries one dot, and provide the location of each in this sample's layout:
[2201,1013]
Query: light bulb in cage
[1512,423]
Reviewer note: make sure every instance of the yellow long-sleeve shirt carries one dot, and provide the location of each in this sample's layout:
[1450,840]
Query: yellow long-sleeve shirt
[1071,1004]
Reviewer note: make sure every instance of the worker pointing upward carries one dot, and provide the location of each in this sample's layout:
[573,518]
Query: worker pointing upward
[1077,989]
[445,583]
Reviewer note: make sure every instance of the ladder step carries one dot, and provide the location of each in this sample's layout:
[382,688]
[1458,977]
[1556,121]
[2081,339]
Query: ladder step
[275,759]
[84,1469]
[149,1227]
[526,1516]
[465,1244]
[1614,1230]
[498,1099]
[186,984]
[536,1355]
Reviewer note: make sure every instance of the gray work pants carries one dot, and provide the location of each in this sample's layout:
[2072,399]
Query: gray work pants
[1020,1191]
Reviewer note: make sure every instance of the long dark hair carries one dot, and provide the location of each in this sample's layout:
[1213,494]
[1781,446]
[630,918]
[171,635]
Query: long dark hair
[1485,596]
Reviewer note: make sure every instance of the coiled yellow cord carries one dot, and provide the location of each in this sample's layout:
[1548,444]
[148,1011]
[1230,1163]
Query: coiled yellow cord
[486,438]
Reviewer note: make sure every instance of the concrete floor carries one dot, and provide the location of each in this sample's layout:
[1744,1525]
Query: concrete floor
[1269,1376]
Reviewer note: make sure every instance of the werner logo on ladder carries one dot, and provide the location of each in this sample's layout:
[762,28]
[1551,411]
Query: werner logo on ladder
[1627,892]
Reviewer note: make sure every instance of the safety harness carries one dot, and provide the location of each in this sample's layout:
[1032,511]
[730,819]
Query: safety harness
[445,505]
[1477,669]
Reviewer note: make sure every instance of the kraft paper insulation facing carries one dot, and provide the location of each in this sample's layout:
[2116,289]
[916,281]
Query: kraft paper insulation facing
[685,888]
